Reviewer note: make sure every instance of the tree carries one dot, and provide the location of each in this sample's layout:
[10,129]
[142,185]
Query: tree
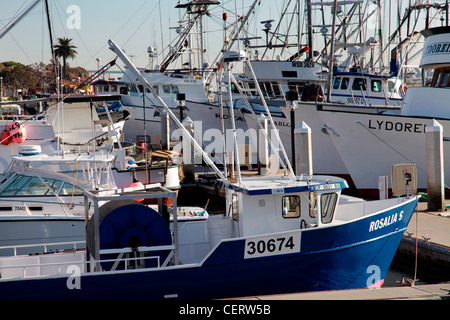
[17,76]
[65,50]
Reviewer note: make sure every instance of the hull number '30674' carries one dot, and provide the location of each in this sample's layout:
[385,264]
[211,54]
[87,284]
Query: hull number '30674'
[272,245]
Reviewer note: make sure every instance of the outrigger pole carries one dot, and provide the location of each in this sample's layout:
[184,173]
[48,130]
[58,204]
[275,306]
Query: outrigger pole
[144,82]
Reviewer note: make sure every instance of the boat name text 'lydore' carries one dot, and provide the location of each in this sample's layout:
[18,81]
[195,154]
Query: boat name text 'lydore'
[397,126]
[384,222]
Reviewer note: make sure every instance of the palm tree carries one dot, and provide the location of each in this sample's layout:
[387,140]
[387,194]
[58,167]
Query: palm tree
[65,50]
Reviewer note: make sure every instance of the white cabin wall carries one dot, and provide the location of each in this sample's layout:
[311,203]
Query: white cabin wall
[258,214]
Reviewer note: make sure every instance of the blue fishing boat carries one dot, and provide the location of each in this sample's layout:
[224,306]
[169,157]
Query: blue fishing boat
[279,234]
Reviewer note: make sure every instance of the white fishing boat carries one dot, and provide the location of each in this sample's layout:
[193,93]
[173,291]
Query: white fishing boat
[46,206]
[184,80]
[72,125]
[303,226]
[353,86]
[370,144]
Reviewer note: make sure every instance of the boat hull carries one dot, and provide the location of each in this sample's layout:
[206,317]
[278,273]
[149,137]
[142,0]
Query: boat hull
[32,230]
[349,255]
[371,144]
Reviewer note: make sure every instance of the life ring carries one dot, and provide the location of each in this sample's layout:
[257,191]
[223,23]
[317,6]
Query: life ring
[17,132]
[403,89]
[5,138]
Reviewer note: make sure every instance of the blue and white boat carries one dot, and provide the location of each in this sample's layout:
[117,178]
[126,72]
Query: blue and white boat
[279,234]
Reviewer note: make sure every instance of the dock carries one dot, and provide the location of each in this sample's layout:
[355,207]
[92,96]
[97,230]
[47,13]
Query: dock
[423,292]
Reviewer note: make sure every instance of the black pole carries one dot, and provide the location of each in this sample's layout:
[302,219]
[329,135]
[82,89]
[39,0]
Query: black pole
[293,140]
[292,96]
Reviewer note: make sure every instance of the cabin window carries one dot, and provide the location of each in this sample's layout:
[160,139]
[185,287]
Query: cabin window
[175,89]
[141,88]
[132,88]
[113,88]
[106,89]
[56,186]
[444,81]
[235,206]
[328,203]
[441,78]
[337,83]
[35,187]
[166,89]
[297,86]
[345,82]
[234,89]
[69,189]
[359,84]
[291,207]
[391,86]
[270,89]
[14,186]
[376,85]
[123,90]
[312,204]
[289,74]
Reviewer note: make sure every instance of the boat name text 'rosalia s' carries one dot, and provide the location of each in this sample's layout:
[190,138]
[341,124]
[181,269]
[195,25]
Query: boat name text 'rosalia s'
[397,126]
[384,222]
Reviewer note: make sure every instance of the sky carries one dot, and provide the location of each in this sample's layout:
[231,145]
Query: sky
[134,25]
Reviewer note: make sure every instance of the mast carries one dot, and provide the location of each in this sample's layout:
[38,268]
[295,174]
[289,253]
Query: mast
[197,9]
[330,71]
[19,18]
[113,47]
[310,30]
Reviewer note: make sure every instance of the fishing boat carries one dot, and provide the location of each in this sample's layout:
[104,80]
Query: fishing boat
[45,207]
[370,144]
[41,206]
[184,80]
[53,124]
[279,234]
[347,83]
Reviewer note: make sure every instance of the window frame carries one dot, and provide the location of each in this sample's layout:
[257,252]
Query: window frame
[337,83]
[327,213]
[359,83]
[345,82]
[291,214]
[372,86]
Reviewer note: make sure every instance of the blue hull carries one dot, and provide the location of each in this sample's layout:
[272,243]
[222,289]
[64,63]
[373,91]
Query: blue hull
[351,255]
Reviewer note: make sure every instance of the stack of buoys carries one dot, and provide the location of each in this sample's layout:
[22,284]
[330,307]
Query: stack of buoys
[14,132]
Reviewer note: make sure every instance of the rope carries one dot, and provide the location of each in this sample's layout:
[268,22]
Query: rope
[417,237]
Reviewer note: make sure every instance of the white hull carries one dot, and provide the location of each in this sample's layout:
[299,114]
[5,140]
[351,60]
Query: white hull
[168,177]
[370,144]
[326,159]
[17,231]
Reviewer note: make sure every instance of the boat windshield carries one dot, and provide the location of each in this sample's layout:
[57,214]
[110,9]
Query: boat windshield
[33,186]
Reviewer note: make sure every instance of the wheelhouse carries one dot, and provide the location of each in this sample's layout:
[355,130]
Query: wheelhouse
[360,88]
[270,207]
